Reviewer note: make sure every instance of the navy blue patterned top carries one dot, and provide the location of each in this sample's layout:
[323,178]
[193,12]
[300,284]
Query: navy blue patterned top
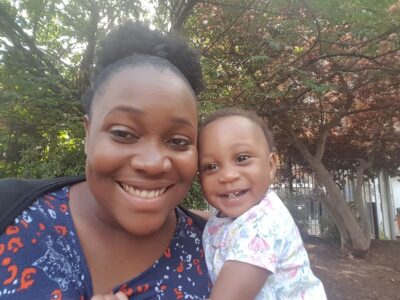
[41,258]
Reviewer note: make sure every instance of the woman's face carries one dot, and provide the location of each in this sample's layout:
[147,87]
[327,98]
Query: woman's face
[141,147]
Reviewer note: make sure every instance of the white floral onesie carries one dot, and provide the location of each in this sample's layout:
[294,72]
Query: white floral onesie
[265,236]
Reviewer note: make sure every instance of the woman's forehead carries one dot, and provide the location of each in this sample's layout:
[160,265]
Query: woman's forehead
[147,90]
[145,75]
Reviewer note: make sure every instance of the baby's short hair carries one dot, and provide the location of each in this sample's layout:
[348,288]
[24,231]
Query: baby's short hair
[248,114]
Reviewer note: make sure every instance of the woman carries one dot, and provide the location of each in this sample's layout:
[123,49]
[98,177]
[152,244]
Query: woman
[121,229]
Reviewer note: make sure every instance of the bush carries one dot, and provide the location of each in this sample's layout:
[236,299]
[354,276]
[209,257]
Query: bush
[195,199]
[329,229]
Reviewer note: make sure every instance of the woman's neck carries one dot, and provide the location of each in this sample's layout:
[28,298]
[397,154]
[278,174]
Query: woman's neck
[113,254]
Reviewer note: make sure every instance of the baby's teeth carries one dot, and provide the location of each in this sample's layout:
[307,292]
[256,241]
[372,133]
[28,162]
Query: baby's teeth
[233,195]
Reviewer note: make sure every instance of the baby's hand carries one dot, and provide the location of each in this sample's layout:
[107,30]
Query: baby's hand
[117,296]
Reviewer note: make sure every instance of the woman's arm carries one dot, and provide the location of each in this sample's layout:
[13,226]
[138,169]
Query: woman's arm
[238,280]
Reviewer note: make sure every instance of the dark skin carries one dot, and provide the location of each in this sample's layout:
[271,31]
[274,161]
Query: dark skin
[141,152]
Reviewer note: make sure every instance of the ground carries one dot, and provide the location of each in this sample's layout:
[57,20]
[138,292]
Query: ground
[375,277]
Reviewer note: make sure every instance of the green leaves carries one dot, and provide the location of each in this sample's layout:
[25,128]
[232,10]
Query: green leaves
[43,43]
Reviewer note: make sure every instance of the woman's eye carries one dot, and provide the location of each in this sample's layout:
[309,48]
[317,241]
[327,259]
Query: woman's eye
[242,158]
[123,135]
[179,142]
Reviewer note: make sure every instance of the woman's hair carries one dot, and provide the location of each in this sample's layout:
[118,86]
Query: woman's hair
[248,114]
[134,44]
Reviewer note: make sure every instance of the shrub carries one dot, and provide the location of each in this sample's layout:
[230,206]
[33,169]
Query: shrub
[329,229]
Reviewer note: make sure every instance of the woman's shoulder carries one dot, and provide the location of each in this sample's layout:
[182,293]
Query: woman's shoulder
[44,241]
[18,194]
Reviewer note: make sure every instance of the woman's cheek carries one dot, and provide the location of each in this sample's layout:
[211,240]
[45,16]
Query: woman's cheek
[189,164]
[104,158]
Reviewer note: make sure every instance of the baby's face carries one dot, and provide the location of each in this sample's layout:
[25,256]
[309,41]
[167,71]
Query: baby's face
[235,164]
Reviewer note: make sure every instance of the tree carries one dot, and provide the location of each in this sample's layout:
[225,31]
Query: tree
[306,66]
[47,56]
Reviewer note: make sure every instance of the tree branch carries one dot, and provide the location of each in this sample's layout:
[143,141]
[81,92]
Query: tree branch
[181,14]
[19,37]
[221,34]
[85,68]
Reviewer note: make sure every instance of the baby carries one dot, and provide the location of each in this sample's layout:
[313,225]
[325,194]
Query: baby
[253,248]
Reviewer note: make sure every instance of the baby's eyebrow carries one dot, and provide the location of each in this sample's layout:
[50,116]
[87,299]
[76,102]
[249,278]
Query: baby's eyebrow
[204,160]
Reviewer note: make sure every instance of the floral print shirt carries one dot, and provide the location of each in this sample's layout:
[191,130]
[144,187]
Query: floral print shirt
[265,236]
[41,258]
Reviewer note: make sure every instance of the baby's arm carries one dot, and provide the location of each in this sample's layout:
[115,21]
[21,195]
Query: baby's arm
[238,280]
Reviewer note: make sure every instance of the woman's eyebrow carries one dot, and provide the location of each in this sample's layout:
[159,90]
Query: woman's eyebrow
[136,111]
[183,121]
[125,109]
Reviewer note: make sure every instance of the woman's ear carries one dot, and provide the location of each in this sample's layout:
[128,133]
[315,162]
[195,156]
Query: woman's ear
[86,124]
[273,163]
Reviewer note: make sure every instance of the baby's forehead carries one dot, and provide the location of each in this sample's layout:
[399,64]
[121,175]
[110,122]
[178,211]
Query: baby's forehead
[230,122]
[232,128]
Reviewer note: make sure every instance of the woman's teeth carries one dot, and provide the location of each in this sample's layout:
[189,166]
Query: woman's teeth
[147,194]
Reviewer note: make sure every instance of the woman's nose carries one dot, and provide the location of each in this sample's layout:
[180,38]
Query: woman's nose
[228,175]
[151,159]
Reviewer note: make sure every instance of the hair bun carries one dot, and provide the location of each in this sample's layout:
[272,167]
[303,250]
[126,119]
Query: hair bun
[161,50]
[135,37]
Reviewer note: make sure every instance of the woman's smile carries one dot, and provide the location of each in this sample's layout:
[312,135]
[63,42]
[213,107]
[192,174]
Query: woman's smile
[143,193]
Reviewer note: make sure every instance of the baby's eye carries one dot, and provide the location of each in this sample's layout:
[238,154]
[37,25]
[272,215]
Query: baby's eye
[209,167]
[242,157]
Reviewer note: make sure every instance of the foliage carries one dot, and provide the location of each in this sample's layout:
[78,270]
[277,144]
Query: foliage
[46,58]
[329,229]
[195,198]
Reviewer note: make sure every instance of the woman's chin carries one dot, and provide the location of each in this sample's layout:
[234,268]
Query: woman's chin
[149,224]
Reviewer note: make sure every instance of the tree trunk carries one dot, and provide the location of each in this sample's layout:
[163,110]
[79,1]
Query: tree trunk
[359,201]
[352,236]
[180,11]
[86,66]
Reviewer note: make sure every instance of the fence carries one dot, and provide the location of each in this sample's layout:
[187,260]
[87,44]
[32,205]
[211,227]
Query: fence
[302,195]
[298,189]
